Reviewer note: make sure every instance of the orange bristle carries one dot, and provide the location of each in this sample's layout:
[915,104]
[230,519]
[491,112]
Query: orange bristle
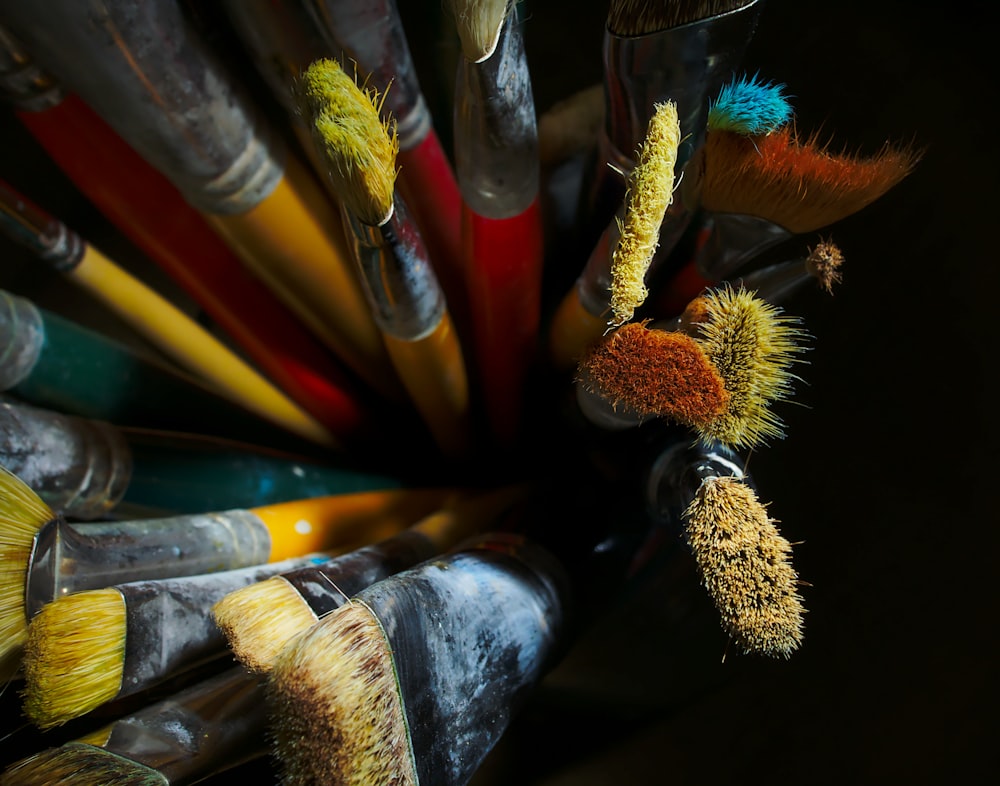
[656,372]
[795,183]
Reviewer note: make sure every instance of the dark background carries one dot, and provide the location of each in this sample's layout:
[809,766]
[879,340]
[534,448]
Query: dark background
[883,480]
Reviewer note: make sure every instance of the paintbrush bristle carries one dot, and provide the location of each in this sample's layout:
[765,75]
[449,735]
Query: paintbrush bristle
[656,372]
[752,344]
[750,106]
[478,23]
[649,193]
[74,656]
[338,714]
[259,619]
[824,263]
[357,146]
[22,514]
[745,565]
[644,17]
[798,184]
[75,764]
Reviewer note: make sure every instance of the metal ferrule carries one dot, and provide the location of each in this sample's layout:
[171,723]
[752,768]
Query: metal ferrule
[197,732]
[22,337]
[777,283]
[79,467]
[71,557]
[471,634]
[38,231]
[734,240]
[496,132]
[399,281]
[151,76]
[22,83]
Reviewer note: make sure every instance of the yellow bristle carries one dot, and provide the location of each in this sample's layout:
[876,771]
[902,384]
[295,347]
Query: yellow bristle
[78,764]
[745,565]
[358,147]
[478,23]
[74,656]
[338,715]
[259,619]
[650,192]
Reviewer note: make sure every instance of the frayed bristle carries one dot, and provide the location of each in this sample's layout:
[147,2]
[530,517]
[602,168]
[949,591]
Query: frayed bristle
[337,712]
[650,192]
[358,147]
[824,263]
[478,23]
[22,514]
[259,619]
[750,106]
[745,564]
[656,372]
[643,17]
[798,184]
[76,764]
[74,656]
[752,344]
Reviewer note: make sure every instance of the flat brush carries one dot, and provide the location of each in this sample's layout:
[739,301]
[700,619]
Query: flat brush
[496,162]
[88,469]
[44,560]
[199,732]
[95,646]
[406,300]
[152,316]
[258,620]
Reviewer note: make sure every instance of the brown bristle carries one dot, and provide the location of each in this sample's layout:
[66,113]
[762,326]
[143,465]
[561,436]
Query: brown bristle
[745,565]
[642,17]
[337,713]
[798,184]
[570,126]
[76,764]
[824,263]
[656,372]
[695,313]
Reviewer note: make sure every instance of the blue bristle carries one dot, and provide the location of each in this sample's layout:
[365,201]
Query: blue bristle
[750,106]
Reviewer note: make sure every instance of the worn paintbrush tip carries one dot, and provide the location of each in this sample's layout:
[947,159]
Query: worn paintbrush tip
[259,619]
[745,564]
[79,764]
[824,263]
[645,17]
[358,147]
[74,656]
[478,23]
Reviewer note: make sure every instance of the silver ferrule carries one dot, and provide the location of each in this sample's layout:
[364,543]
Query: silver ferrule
[36,230]
[71,557]
[677,473]
[778,282]
[496,132]
[22,83]
[594,282]
[400,284]
[150,75]
[79,467]
[599,410]
[22,337]
[733,241]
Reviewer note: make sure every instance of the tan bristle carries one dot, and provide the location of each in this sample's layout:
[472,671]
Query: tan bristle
[478,23]
[570,126]
[76,764]
[752,344]
[22,514]
[642,17]
[258,620]
[336,709]
[74,656]
[798,184]
[824,263]
[656,372]
[649,193]
[694,314]
[357,146]
[745,565]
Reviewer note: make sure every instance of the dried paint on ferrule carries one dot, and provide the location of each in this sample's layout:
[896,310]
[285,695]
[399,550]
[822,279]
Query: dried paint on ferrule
[69,558]
[22,83]
[471,634]
[22,336]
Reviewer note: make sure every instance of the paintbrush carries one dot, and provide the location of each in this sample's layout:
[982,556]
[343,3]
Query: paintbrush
[258,620]
[45,557]
[189,345]
[149,210]
[496,162]
[89,469]
[172,98]
[201,731]
[408,304]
